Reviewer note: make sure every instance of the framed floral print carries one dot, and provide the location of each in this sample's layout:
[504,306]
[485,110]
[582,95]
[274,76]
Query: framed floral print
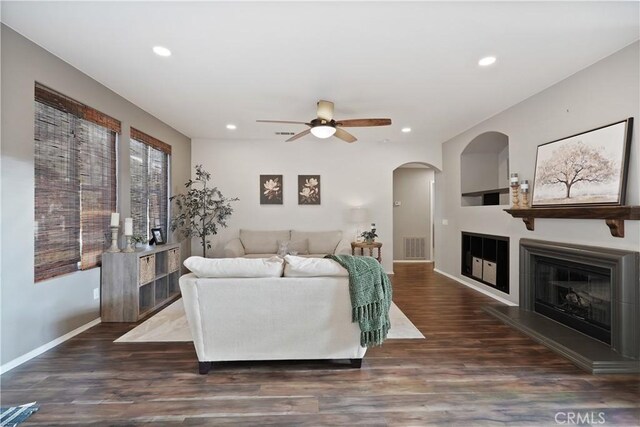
[308,189]
[270,189]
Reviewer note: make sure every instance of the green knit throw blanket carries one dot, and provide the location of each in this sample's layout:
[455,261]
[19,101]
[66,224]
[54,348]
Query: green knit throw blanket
[370,291]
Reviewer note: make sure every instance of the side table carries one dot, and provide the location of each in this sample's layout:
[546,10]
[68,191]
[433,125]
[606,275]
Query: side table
[363,245]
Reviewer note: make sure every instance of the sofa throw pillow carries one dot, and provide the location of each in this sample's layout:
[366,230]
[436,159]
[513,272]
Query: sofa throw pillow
[296,266]
[320,242]
[293,247]
[235,267]
[262,241]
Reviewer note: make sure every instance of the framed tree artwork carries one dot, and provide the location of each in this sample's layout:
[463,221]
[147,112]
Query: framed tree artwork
[270,189]
[589,168]
[308,189]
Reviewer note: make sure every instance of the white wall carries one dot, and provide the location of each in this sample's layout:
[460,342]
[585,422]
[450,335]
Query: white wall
[603,93]
[34,314]
[412,218]
[358,174]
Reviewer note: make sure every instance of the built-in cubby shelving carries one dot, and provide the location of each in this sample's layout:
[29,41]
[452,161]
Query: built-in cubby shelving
[136,283]
[614,216]
[485,258]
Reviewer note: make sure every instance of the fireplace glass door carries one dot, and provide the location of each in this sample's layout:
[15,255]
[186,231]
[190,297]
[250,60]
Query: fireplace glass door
[576,295]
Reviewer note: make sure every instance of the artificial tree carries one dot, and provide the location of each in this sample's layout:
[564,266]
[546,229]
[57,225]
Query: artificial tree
[202,210]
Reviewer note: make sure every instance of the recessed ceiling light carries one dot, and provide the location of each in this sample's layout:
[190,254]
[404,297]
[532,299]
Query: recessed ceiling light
[231,126]
[486,61]
[161,51]
[406,130]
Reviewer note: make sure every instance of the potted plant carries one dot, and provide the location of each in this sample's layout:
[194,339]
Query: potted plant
[139,239]
[202,210]
[369,236]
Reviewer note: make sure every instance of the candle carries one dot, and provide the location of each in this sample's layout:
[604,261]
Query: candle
[128,226]
[115,219]
[514,178]
[524,186]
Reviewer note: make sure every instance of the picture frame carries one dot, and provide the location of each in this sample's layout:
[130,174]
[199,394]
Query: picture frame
[586,169]
[309,190]
[271,189]
[158,236]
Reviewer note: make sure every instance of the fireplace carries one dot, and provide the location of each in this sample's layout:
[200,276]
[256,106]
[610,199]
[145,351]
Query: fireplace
[601,282]
[576,295]
[581,301]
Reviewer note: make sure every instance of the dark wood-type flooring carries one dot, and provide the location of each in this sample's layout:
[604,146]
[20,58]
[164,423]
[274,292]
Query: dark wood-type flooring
[470,371]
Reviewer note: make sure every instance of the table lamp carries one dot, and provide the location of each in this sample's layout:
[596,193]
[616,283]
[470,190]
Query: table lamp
[359,216]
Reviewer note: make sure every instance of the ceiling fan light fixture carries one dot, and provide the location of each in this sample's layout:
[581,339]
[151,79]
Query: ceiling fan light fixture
[323,131]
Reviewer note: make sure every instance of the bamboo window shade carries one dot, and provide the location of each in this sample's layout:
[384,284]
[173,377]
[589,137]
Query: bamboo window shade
[149,168]
[75,183]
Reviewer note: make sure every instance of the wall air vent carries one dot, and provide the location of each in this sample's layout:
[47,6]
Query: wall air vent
[415,247]
[285,133]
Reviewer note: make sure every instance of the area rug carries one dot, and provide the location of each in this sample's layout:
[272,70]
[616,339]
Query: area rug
[170,325]
[14,415]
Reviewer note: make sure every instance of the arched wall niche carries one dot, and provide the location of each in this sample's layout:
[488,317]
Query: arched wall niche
[484,170]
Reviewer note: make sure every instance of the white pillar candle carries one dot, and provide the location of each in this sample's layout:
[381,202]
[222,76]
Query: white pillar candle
[524,186]
[128,226]
[115,219]
[514,178]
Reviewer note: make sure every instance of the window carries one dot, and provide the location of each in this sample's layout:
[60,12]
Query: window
[75,183]
[149,160]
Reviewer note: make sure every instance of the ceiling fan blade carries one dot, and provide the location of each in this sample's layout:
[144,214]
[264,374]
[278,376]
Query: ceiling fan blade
[363,122]
[283,121]
[299,135]
[325,110]
[344,135]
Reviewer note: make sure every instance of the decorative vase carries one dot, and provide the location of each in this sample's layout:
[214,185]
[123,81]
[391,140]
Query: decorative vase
[369,241]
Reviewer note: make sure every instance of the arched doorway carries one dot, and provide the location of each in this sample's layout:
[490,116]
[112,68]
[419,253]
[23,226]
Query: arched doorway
[413,199]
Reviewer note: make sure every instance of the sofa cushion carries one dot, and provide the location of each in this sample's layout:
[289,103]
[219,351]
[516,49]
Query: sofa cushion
[320,242]
[312,267]
[261,241]
[235,267]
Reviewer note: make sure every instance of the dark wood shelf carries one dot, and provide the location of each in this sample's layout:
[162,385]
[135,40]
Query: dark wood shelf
[504,190]
[614,216]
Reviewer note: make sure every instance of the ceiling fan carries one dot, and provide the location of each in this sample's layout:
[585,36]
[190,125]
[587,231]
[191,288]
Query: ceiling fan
[324,126]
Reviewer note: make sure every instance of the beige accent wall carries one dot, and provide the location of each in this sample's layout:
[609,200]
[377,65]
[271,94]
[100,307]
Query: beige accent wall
[34,314]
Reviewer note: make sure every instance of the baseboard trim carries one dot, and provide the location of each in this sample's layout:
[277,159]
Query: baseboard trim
[48,346]
[477,288]
[413,261]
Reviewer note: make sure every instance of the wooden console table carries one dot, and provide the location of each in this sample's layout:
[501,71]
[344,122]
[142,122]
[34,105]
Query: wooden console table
[363,245]
[614,216]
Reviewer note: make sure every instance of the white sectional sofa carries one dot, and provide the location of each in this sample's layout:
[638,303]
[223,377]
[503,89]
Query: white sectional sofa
[269,317]
[265,243]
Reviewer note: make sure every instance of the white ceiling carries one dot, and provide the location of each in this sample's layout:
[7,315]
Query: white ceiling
[415,62]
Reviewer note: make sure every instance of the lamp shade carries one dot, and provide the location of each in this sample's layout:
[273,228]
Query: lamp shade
[323,131]
[359,215]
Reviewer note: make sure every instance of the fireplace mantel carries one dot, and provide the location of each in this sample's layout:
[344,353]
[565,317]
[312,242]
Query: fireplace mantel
[614,216]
